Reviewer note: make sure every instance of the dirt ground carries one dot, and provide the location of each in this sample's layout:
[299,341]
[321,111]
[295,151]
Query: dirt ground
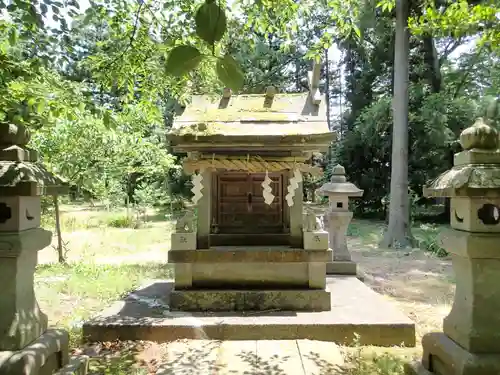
[419,283]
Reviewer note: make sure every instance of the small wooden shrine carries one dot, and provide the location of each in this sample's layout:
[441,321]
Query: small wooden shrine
[247,154]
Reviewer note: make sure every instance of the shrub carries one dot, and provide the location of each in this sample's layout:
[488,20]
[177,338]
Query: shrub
[121,221]
[428,240]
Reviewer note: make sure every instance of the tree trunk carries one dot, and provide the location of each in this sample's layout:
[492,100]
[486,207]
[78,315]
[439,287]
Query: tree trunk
[60,248]
[433,65]
[327,88]
[398,234]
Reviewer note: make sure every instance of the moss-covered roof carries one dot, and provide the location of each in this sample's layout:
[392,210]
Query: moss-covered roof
[252,115]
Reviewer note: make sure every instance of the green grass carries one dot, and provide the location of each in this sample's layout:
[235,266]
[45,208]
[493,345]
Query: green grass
[72,293]
[426,235]
[97,236]
[360,363]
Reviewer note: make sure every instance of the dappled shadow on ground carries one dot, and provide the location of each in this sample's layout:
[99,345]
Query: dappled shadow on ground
[150,358]
[188,357]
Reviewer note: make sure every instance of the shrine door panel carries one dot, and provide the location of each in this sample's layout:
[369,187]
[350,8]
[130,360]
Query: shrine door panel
[240,206]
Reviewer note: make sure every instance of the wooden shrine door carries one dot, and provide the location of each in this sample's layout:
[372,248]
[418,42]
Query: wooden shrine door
[239,205]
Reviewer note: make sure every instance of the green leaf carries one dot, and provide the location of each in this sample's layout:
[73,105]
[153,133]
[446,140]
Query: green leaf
[106,119]
[230,73]
[40,106]
[357,31]
[211,22]
[31,102]
[182,60]
[13,37]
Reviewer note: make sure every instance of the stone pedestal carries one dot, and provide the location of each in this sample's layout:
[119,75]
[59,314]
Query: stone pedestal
[317,240]
[26,346]
[469,343]
[337,223]
[183,241]
[20,317]
[314,235]
[337,219]
[257,278]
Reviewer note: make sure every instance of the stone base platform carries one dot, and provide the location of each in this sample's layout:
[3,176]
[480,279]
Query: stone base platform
[355,309]
[250,300]
[446,357]
[44,356]
[341,268]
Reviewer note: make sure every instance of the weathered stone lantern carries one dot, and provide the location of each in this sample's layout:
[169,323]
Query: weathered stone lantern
[337,219]
[469,343]
[26,345]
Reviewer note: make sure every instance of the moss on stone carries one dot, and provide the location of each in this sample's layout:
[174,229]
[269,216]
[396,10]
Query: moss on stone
[252,115]
[200,129]
[467,177]
[231,115]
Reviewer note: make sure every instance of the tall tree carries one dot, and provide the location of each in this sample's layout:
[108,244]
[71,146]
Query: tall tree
[398,232]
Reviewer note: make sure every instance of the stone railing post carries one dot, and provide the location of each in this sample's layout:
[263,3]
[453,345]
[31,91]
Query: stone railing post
[337,218]
[26,345]
[470,341]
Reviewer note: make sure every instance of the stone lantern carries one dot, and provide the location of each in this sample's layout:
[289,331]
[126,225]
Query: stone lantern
[470,341]
[337,219]
[27,347]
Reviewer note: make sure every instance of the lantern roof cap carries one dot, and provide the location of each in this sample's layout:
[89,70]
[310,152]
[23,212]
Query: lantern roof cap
[338,185]
[476,171]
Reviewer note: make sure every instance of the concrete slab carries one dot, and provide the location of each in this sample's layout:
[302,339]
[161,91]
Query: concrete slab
[355,309]
[320,359]
[238,357]
[279,354]
[190,357]
[250,357]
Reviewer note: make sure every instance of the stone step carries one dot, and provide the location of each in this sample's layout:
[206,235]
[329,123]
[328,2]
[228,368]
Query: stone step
[250,300]
[250,254]
[250,239]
